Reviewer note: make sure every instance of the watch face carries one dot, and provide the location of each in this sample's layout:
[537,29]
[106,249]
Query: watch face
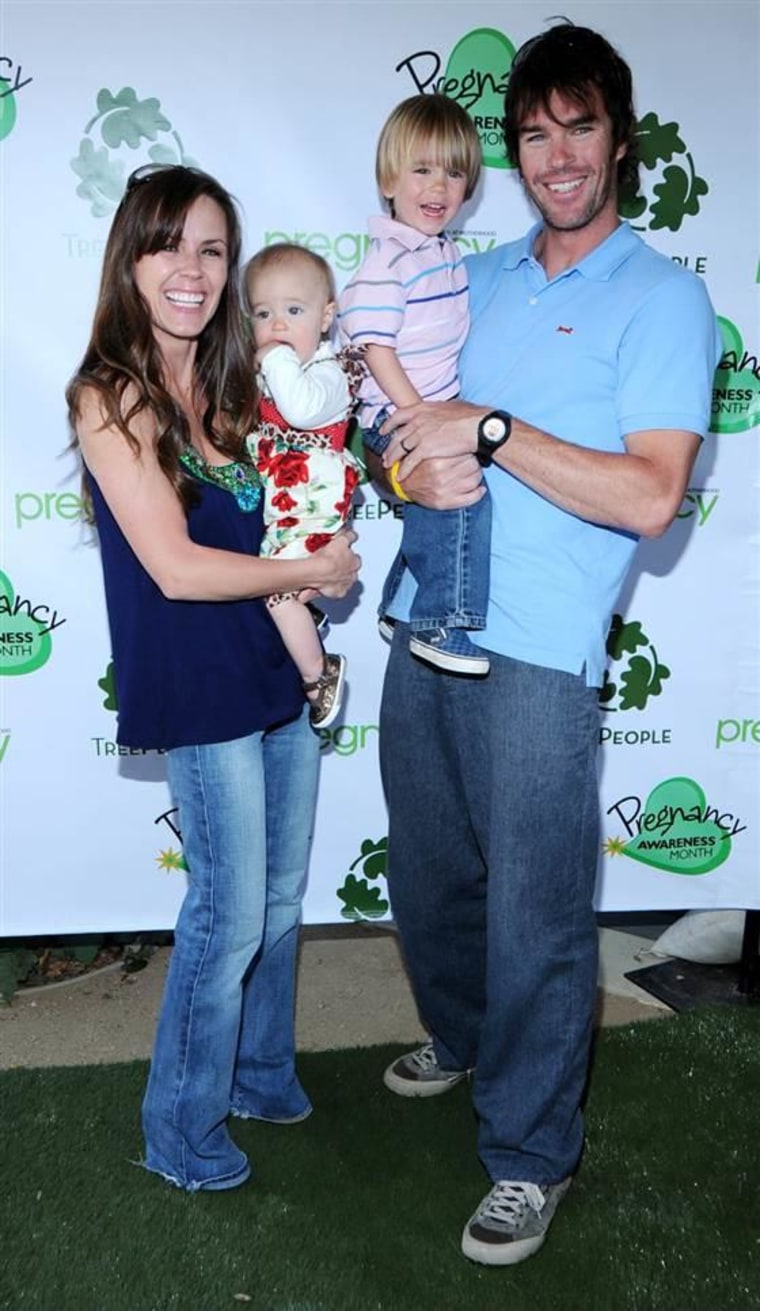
[494,428]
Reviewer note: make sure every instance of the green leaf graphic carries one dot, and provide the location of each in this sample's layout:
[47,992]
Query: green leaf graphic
[107,684]
[679,191]
[141,120]
[102,178]
[124,100]
[678,195]
[373,858]
[657,141]
[624,639]
[631,204]
[360,900]
[607,690]
[640,681]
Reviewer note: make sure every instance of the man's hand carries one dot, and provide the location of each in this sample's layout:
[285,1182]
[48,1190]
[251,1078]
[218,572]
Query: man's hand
[431,430]
[447,484]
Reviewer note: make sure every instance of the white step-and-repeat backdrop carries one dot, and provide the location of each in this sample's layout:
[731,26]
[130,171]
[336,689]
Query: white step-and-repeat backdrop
[283,102]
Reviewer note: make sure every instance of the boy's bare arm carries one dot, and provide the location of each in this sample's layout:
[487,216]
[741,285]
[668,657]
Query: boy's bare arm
[383,364]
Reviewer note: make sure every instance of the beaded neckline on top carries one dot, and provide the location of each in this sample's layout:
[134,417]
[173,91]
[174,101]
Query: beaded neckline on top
[241,480]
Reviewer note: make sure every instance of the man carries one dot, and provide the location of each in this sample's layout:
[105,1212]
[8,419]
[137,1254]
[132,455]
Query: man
[606,350]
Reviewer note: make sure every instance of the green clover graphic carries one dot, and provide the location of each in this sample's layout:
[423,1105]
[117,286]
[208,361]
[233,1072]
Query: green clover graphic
[102,178]
[123,121]
[679,191]
[107,684]
[644,675]
[657,141]
[678,194]
[360,900]
[127,120]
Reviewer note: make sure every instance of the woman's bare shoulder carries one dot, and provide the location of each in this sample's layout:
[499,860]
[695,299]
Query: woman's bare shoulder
[97,427]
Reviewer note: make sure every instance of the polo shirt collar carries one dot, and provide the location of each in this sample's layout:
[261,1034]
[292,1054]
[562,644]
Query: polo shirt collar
[380,225]
[598,266]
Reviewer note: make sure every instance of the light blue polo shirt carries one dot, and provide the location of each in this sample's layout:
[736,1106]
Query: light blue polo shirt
[624,341]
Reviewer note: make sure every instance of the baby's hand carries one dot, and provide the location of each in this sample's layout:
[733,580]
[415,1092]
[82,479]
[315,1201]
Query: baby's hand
[264,350]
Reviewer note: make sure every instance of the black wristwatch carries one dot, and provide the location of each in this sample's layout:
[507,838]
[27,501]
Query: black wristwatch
[493,431]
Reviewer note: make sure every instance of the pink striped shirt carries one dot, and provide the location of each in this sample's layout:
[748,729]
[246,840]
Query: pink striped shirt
[410,294]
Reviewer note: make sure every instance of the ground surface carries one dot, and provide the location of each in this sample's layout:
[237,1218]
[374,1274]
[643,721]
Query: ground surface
[353,992]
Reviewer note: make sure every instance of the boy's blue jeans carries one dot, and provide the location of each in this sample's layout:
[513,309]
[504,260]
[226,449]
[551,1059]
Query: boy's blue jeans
[448,553]
[225,1040]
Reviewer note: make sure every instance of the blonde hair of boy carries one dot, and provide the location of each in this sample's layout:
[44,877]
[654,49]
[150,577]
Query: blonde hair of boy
[281,254]
[433,125]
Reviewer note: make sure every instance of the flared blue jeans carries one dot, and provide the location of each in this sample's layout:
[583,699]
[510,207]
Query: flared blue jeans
[225,1039]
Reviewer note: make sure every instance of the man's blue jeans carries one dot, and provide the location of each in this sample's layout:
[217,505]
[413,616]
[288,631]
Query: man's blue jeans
[448,552]
[493,846]
[225,1040]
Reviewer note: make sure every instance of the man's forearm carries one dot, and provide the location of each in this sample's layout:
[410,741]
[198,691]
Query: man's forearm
[637,489]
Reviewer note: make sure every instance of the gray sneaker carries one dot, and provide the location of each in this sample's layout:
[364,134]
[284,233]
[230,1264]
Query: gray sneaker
[511,1222]
[418,1074]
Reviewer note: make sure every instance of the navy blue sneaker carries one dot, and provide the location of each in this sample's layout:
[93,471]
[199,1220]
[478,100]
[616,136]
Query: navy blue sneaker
[450,649]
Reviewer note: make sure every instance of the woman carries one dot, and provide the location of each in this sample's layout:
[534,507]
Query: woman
[160,407]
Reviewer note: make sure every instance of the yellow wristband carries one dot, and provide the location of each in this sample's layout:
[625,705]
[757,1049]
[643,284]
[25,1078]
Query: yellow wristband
[395,484]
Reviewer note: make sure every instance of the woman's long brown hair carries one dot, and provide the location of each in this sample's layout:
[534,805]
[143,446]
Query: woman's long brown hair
[122,352]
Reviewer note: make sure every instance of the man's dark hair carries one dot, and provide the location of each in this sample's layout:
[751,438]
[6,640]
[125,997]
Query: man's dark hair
[574,61]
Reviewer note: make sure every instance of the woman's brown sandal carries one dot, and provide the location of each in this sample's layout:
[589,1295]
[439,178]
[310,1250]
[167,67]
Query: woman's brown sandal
[325,706]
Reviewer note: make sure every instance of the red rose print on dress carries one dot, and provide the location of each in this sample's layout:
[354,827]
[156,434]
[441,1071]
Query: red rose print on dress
[289,469]
[283,501]
[349,487]
[264,452]
[317,540]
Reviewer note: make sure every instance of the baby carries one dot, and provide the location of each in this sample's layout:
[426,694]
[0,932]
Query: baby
[299,445]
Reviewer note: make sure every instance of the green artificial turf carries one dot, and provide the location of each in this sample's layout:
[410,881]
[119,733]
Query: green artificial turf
[361,1207]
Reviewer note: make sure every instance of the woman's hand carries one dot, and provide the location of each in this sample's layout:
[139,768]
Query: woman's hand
[337,566]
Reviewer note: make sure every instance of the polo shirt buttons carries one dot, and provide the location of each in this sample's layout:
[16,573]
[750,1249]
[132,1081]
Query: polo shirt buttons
[533,300]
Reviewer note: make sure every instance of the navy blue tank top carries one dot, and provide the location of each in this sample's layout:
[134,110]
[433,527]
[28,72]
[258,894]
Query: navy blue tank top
[188,673]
